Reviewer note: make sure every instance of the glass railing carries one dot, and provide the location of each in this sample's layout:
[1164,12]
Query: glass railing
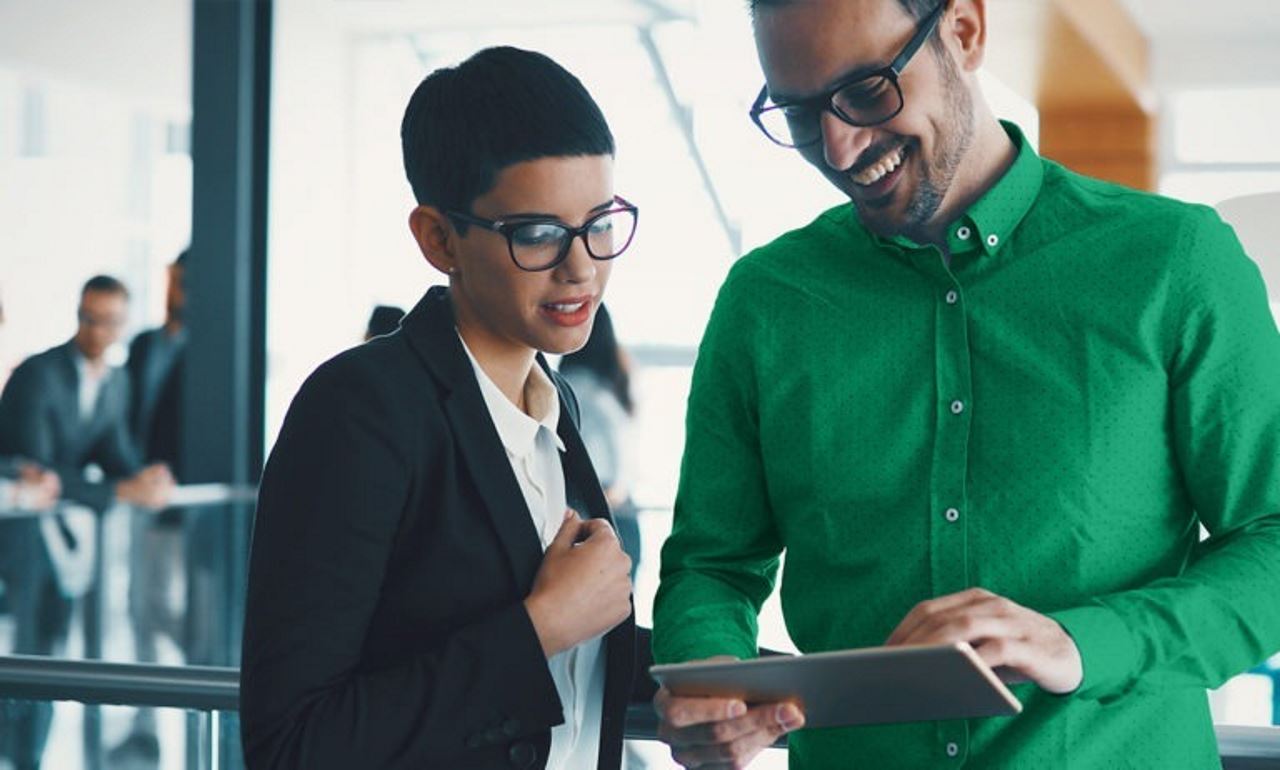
[85,704]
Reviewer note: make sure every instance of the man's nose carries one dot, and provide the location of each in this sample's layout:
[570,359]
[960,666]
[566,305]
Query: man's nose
[842,144]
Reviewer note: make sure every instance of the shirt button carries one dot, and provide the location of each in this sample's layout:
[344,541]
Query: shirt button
[952,297]
[952,515]
[963,233]
[992,240]
[957,407]
[953,749]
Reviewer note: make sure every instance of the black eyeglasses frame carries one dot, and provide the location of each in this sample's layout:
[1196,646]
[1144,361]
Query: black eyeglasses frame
[825,101]
[506,227]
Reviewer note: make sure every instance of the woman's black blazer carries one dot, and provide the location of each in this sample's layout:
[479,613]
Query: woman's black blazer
[391,553]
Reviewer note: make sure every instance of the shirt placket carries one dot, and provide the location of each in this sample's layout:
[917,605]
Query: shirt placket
[953,416]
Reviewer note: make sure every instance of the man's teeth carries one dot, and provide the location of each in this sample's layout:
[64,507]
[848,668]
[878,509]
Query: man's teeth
[877,172]
[567,308]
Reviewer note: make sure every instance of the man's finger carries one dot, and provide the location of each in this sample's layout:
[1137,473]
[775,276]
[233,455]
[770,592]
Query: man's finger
[678,713]
[967,625]
[763,718]
[931,608]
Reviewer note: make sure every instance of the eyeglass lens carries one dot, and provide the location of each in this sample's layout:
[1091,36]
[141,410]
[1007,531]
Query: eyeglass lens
[539,244]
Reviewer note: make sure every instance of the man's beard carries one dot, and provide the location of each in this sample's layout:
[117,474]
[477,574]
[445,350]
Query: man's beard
[940,170]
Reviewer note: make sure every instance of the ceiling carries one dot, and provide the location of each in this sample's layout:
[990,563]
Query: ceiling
[97,40]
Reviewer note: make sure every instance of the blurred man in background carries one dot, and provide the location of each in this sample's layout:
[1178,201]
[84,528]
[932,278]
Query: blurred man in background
[67,409]
[383,320]
[156,543]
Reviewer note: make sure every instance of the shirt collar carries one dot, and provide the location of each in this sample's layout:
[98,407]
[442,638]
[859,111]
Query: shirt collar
[990,221]
[517,430]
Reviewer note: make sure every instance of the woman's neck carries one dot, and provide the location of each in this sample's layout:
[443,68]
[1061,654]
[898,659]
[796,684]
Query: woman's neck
[506,364]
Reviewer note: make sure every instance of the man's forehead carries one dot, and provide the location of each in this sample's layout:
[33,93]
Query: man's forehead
[806,45]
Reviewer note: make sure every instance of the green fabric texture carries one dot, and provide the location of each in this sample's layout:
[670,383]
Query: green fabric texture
[1094,375]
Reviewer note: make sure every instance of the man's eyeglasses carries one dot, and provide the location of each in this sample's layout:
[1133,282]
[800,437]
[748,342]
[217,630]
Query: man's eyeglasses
[111,323]
[538,243]
[863,99]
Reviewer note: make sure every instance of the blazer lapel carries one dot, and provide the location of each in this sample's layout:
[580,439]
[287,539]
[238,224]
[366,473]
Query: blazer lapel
[430,331]
[583,487]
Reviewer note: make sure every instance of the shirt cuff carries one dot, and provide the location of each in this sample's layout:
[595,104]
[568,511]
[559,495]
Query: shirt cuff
[1107,649]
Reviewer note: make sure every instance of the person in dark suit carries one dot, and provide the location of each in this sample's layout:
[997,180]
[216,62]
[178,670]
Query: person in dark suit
[434,580]
[66,409]
[156,541]
[383,320]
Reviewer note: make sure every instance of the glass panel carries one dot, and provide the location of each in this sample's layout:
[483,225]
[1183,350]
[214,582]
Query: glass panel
[95,109]
[75,736]
[1214,187]
[1227,125]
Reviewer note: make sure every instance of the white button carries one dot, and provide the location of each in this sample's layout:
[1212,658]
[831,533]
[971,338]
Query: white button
[953,750]
[952,297]
[957,407]
[952,515]
[992,240]
[963,233]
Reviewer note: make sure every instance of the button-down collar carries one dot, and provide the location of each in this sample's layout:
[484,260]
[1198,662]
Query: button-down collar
[990,221]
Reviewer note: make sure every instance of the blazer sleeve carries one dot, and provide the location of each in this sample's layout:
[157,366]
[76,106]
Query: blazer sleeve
[24,429]
[330,502]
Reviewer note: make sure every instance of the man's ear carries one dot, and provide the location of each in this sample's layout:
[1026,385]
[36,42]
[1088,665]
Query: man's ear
[435,236]
[966,29]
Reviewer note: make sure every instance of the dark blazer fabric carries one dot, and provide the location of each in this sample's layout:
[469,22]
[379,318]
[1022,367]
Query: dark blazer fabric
[392,551]
[40,421]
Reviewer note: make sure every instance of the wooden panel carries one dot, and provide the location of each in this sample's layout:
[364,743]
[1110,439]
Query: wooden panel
[1097,114]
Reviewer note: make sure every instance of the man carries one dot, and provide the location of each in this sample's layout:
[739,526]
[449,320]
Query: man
[990,402]
[25,486]
[66,409]
[156,541]
[383,320]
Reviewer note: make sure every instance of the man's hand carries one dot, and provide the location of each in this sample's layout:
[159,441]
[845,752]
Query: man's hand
[583,587]
[721,732]
[38,489]
[1004,633]
[150,487]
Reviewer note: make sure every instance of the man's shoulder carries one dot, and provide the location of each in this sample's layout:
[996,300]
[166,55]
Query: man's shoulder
[1067,189]
[43,364]
[832,232]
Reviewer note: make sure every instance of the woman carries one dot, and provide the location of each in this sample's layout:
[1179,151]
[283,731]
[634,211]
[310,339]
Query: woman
[422,593]
[600,375]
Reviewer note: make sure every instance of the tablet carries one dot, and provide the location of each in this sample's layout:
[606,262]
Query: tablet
[873,685]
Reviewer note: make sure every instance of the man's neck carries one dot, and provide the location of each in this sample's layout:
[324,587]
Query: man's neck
[986,162]
[93,367]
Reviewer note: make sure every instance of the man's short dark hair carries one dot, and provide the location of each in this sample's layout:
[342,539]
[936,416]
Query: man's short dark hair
[917,8]
[383,320]
[503,106]
[105,284]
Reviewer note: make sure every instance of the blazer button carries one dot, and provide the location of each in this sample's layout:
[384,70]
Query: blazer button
[493,735]
[511,727]
[522,754]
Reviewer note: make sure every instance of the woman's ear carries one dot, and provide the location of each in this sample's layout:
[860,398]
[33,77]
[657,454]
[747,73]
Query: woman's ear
[435,236]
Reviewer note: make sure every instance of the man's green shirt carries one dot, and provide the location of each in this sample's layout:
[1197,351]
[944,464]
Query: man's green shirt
[1051,415]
